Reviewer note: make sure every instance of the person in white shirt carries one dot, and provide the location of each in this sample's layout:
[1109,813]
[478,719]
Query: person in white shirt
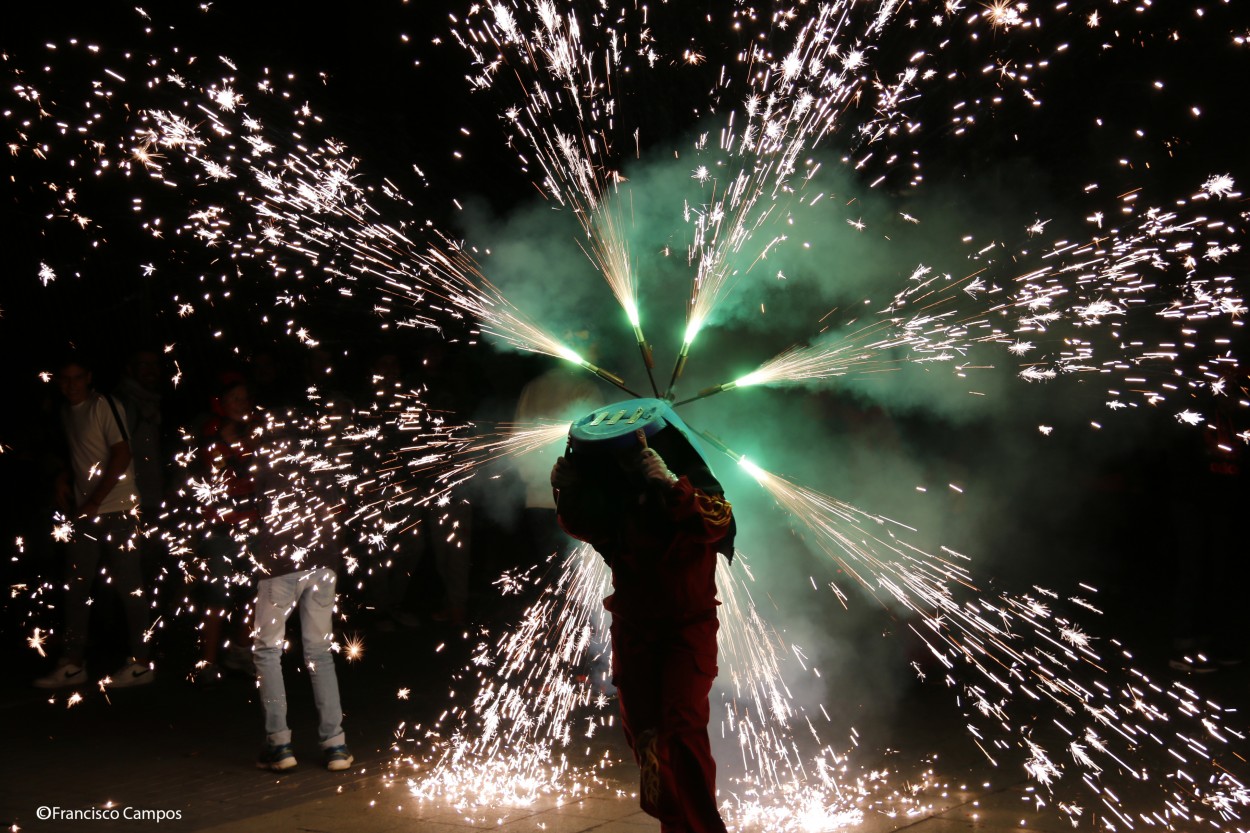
[98,492]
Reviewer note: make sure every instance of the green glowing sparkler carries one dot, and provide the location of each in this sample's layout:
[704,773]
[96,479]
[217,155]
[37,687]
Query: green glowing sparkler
[752,469]
[648,359]
[571,355]
[755,377]
[692,329]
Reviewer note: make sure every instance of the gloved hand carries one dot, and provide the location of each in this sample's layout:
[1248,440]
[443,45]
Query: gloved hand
[563,475]
[653,467]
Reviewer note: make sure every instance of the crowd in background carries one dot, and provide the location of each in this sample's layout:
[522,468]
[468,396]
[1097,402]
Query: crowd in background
[146,504]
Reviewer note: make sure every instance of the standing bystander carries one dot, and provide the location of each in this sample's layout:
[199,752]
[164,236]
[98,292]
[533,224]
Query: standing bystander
[97,490]
[296,560]
[139,393]
[227,450]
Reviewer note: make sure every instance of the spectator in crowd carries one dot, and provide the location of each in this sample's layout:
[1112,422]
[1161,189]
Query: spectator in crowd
[139,391]
[227,448]
[97,490]
[295,559]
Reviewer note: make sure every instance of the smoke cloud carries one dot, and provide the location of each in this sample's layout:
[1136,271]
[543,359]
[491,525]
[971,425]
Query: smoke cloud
[960,453]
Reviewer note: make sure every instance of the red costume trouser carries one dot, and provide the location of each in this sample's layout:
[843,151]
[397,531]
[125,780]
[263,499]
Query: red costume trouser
[663,674]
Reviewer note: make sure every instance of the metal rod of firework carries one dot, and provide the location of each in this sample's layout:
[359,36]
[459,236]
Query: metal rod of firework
[607,376]
[706,392]
[752,378]
[647,358]
[693,325]
[610,377]
[719,444]
[678,367]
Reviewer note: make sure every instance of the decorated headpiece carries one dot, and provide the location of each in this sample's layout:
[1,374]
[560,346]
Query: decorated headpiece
[615,427]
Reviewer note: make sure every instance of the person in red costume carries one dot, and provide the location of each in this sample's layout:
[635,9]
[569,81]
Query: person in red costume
[652,508]
[227,447]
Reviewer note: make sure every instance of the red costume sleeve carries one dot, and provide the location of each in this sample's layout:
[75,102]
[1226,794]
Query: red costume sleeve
[702,516]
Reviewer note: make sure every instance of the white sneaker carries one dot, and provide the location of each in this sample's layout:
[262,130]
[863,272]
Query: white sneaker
[65,675]
[131,674]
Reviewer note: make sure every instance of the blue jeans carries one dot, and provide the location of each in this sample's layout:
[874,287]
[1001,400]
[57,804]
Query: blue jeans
[276,598]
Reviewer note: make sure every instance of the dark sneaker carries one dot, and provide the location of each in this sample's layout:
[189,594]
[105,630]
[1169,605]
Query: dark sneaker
[132,673]
[338,758]
[65,675]
[1196,664]
[278,758]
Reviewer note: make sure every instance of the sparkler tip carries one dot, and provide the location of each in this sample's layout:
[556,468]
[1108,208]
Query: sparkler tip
[692,330]
[570,355]
[751,468]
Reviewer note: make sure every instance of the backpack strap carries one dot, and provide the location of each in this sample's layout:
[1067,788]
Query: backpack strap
[121,426]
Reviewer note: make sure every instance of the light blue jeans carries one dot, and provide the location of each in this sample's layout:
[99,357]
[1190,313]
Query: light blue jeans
[312,591]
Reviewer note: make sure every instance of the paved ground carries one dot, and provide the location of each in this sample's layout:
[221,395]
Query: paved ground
[181,749]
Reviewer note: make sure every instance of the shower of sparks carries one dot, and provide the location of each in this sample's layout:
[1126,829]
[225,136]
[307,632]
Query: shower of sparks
[567,129]
[535,688]
[790,104]
[885,345]
[366,469]
[1025,655]
[541,693]
[312,204]
[1149,305]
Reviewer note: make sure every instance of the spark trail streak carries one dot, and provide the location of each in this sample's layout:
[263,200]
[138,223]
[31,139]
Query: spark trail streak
[881,346]
[577,161]
[479,297]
